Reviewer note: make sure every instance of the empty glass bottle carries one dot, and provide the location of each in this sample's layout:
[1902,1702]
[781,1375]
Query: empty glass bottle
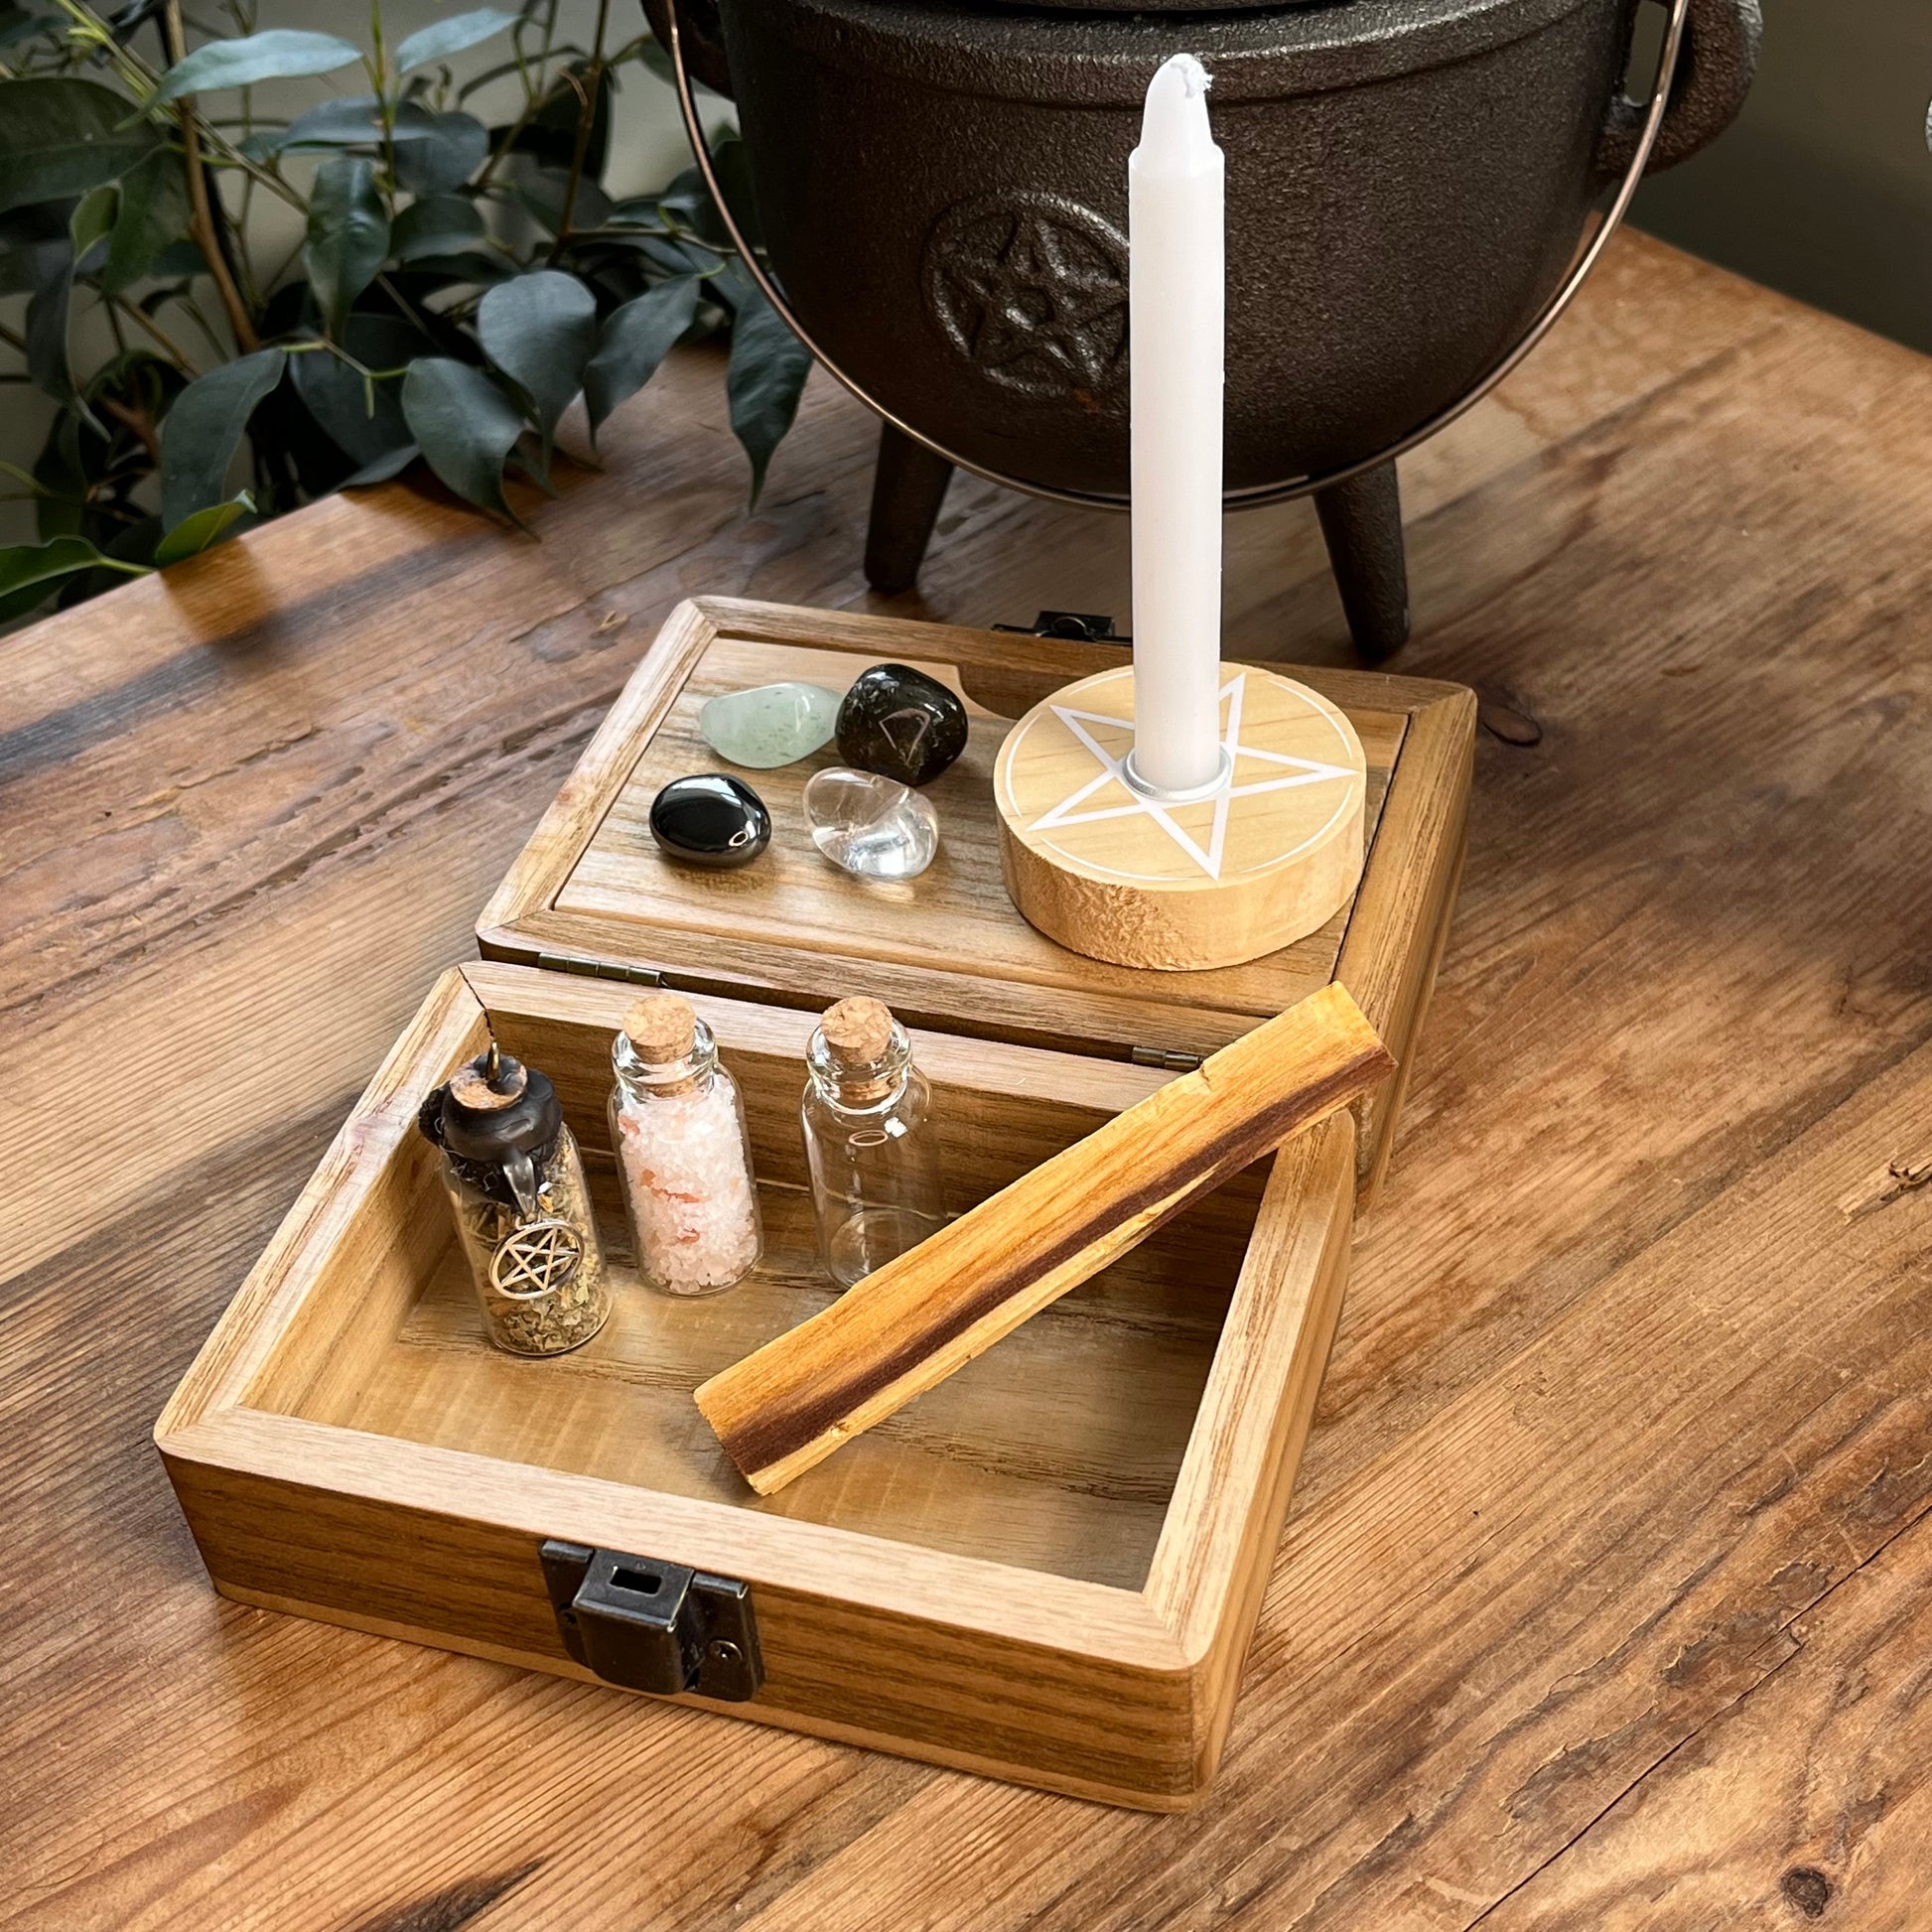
[523,1214]
[871,1143]
[678,1128]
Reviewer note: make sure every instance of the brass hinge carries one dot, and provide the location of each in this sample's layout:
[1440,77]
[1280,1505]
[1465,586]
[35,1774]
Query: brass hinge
[600,969]
[1167,1062]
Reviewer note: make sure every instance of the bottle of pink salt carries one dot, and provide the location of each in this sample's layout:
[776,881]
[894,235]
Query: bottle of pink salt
[677,1127]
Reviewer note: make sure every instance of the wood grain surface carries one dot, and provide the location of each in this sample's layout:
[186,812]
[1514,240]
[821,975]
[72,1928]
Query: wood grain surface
[1603,1602]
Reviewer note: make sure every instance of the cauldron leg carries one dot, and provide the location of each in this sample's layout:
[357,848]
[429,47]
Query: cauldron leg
[908,483]
[1361,522]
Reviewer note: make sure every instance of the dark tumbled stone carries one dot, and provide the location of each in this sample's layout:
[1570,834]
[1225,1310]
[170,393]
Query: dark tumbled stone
[710,819]
[901,724]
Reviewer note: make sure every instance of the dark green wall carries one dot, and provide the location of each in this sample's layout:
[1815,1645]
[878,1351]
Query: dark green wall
[1824,187]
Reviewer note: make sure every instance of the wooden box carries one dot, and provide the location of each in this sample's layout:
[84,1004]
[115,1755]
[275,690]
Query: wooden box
[1048,1568]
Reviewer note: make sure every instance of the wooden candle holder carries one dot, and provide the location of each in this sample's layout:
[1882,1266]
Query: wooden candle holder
[1117,870]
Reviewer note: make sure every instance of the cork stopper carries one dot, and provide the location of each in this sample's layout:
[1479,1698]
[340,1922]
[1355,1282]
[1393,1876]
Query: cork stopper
[662,1026]
[490,1081]
[858,1031]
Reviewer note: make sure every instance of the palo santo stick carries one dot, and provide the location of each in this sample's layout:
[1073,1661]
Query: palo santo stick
[921,1316]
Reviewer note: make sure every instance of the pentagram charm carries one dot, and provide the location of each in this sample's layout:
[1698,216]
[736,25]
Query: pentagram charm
[539,1258]
[1032,289]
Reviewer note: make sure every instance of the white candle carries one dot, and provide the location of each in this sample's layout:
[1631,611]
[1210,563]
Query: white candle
[1177,223]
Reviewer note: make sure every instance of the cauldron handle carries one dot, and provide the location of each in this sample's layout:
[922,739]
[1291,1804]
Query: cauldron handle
[1653,117]
[1721,41]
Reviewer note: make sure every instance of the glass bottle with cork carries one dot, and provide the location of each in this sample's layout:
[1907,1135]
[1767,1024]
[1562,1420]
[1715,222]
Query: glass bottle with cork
[684,1155]
[871,1142]
[524,1216]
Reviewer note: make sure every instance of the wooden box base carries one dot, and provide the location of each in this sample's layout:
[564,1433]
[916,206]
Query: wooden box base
[1045,1569]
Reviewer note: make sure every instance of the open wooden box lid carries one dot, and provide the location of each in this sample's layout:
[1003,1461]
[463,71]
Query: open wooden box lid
[591,892]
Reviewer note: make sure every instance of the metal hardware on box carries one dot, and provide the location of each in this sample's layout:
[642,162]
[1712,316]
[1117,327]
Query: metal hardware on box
[599,969]
[1167,1062]
[1082,627]
[655,1626]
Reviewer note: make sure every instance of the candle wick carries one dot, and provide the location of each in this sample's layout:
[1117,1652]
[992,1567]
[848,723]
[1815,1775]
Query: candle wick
[1175,132]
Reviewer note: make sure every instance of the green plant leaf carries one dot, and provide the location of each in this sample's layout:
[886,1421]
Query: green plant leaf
[467,427]
[47,334]
[30,572]
[49,366]
[438,224]
[766,377]
[92,216]
[633,341]
[540,330]
[153,215]
[731,161]
[33,247]
[65,136]
[180,261]
[194,534]
[392,463]
[471,266]
[348,236]
[278,55]
[351,121]
[442,152]
[335,396]
[346,122]
[441,38]
[19,24]
[64,475]
[203,429]
[544,189]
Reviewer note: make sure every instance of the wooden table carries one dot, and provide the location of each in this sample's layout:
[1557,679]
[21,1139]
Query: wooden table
[1608,1595]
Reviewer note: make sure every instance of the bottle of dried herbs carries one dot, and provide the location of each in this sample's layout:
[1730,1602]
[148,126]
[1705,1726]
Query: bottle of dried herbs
[516,1187]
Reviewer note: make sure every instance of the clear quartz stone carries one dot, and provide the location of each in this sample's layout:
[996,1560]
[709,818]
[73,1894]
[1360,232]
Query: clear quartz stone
[872,827]
[771,724]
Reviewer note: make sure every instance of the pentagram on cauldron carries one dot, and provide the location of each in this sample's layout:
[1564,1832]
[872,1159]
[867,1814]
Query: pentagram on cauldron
[1032,289]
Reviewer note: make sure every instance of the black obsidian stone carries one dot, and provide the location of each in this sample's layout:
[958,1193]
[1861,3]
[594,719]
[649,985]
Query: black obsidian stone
[710,819]
[901,724]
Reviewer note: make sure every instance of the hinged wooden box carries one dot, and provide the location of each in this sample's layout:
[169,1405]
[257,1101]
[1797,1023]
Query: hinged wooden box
[1048,1568]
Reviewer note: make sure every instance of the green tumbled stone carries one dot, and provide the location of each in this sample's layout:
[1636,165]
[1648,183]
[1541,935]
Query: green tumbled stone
[769,724]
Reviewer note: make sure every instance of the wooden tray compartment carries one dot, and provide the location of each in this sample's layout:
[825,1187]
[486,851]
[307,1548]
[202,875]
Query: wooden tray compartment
[1044,1569]
[1047,1568]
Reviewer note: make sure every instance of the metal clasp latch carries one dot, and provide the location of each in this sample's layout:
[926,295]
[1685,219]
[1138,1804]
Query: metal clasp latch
[655,1626]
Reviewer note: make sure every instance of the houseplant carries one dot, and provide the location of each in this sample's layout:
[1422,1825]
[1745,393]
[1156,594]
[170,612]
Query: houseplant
[454,284]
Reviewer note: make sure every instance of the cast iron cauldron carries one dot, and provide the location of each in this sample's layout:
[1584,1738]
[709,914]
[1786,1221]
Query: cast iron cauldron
[942,192]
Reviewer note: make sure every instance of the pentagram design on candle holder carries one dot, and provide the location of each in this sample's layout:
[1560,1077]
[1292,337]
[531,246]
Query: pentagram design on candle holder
[1111,781]
[1119,874]
[539,1258]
